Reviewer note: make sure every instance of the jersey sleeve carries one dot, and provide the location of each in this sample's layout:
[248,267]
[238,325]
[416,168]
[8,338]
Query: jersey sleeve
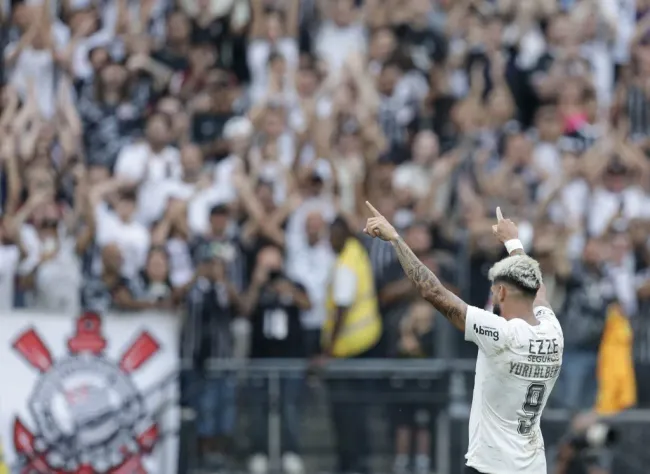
[487,330]
[544,313]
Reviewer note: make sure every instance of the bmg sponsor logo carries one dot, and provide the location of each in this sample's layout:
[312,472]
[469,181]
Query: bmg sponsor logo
[487,331]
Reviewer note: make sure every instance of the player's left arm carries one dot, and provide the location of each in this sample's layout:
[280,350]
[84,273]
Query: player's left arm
[540,299]
[506,231]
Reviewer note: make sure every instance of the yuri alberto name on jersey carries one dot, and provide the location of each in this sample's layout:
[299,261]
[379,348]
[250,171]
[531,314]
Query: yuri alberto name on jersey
[544,356]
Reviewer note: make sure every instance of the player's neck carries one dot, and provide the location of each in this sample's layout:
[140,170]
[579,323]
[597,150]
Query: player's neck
[519,309]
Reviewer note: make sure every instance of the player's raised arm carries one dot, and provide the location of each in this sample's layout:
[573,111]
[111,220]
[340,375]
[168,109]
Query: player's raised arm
[506,231]
[428,284]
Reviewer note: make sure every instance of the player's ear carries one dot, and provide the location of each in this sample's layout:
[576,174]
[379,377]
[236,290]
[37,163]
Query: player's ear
[502,293]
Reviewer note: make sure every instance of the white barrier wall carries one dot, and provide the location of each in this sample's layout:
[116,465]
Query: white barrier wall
[89,394]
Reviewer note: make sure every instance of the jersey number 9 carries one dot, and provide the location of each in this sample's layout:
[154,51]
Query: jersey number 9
[531,407]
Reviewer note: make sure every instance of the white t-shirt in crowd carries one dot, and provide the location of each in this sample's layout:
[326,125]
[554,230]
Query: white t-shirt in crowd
[623,276]
[335,44]
[258,62]
[58,280]
[137,162]
[547,157]
[298,120]
[34,248]
[81,67]
[177,190]
[344,286]
[413,177]
[349,171]
[132,238]
[531,44]
[312,266]
[154,28]
[199,201]
[198,209]
[10,257]
[574,198]
[623,14]
[598,53]
[296,236]
[516,369]
[223,174]
[604,205]
[181,269]
[275,171]
[35,65]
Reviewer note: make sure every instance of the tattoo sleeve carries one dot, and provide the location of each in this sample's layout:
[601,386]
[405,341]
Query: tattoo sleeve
[430,287]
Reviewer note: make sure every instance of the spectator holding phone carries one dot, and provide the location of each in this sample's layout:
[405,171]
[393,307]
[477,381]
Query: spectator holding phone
[275,303]
[212,304]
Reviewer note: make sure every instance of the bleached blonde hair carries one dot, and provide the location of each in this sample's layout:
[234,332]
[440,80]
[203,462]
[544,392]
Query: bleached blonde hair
[519,270]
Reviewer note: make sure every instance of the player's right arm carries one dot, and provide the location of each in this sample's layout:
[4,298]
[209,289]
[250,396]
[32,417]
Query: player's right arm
[506,231]
[429,286]
[427,283]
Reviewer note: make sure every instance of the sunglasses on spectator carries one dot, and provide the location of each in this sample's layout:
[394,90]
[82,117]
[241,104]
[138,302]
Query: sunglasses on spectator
[49,224]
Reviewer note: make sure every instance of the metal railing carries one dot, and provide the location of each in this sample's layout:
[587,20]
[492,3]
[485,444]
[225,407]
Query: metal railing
[379,370]
[449,430]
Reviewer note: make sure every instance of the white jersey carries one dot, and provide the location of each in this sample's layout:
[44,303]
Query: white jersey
[516,369]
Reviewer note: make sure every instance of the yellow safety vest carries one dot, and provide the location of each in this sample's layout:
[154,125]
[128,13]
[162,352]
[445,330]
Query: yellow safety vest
[4,469]
[361,328]
[616,378]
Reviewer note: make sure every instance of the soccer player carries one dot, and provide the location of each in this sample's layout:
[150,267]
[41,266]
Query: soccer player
[520,353]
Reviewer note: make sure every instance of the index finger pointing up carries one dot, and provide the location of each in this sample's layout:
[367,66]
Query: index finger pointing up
[374,211]
[499,215]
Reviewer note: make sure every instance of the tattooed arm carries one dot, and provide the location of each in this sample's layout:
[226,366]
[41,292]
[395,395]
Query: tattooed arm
[429,286]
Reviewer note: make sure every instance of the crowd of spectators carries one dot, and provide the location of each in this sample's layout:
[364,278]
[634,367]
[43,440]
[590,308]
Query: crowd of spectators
[192,154]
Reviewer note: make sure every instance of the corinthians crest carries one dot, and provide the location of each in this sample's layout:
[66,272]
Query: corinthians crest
[89,416]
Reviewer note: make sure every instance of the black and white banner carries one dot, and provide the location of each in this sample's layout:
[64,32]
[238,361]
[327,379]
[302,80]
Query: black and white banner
[89,394]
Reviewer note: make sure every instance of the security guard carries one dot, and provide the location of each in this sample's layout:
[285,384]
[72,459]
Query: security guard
[352,330]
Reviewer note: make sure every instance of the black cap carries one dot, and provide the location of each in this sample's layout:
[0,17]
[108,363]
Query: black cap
[129,195]
[645,40]
[316,178]
[219,209]
[617,168]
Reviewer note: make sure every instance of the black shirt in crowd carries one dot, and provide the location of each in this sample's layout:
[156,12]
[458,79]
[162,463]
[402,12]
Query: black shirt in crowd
[214,33]
[425,46]
[230,46]
[96,295]
[206,330]
[207,127]
[588,295]
[171,59]
[229,250]
[277,331]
